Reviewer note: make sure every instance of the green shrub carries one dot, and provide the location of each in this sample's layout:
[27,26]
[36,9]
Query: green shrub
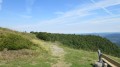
[13,41]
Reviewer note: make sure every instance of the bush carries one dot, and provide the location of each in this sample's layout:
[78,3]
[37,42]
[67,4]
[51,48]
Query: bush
[13,41]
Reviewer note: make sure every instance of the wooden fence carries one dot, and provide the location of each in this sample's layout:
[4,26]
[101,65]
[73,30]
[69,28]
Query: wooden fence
[110,62]
[105,59]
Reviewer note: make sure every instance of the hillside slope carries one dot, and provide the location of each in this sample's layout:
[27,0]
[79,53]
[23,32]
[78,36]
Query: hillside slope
[41,53]
[85,42]
[13,40]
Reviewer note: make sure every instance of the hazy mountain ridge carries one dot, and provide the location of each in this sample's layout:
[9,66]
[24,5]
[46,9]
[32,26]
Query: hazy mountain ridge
[113,37]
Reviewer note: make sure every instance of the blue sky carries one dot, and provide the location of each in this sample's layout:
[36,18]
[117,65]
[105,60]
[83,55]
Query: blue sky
[61,16]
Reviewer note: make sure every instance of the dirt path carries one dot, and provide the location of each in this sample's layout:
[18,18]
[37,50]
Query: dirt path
[59,52]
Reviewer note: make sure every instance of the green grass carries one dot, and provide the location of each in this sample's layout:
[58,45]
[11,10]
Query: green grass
[42,57]
[82,58]
[24,50]
[39,55]
[13,40]
[42,60]
[28,58]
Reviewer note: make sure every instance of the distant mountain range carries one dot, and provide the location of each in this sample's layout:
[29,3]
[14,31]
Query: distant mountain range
[113,37]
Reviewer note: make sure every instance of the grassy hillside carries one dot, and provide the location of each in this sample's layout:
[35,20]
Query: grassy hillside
[13,40]
[85,42]
[40,53]
[20,49]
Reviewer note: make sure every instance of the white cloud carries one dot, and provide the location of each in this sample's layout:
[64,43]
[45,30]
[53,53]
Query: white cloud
[59,13]
[103,7]
[29,5]
[66,17]
[76,15]
[106,20]
[82,12]
[1,1]
[102,20]
[26,16]
[108,3]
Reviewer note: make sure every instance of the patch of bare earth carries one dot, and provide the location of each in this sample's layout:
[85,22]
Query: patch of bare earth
[59,52]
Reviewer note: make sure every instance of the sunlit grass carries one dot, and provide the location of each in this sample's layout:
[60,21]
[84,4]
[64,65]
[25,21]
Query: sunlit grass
[40,57]
[37,56]
[82,58]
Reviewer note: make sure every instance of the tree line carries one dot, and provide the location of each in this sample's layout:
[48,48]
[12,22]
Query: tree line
[85,42]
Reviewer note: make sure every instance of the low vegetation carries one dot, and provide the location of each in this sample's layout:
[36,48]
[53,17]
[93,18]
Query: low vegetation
[13,41]
[85,42]
[20,49]
[82,58]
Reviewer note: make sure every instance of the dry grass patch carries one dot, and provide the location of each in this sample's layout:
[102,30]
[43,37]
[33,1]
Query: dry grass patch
[17,54]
